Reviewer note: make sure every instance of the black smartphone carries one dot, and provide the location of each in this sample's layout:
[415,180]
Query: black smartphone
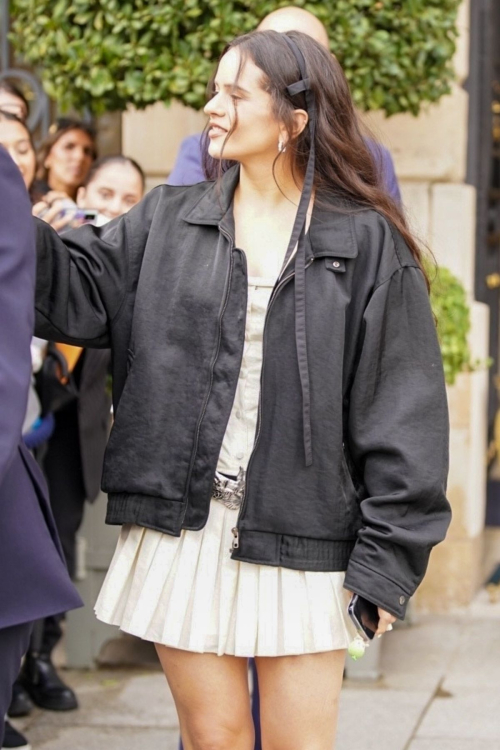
[364,615]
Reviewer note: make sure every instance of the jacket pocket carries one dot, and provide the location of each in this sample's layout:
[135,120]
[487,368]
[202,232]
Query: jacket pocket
[351,498]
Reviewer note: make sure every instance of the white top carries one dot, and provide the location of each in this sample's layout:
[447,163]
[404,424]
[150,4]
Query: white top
[240,432]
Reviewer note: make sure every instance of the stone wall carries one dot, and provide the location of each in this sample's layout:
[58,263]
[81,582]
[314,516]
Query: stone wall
[153,136]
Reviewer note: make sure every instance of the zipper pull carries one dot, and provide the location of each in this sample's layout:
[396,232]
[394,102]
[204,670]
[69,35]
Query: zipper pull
[236,540]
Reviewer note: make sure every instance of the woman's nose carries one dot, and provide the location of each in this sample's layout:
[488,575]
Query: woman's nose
[214,106]
[116,208]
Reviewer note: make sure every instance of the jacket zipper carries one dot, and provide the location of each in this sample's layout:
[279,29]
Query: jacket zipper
[235,530]
[214,360]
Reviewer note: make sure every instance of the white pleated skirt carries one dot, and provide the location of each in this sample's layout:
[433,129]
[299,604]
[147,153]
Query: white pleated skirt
[186,592]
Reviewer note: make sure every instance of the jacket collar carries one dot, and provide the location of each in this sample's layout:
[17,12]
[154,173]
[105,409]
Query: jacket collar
[331,231]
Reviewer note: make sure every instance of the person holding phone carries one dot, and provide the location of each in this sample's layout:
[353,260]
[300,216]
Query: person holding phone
[281,428]
[112,187]
[65,157]
[63,163]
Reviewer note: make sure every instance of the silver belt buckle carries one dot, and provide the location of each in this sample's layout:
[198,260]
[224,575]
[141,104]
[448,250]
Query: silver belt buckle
[229,492]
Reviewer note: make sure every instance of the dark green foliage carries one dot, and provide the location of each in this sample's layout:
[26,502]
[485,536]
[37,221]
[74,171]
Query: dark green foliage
[106,54]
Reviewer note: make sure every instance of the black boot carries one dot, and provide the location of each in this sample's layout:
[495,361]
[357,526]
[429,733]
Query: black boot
[14,739]
[44,686]
[20,704]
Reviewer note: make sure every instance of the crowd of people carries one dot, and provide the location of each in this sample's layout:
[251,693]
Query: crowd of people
[290,171]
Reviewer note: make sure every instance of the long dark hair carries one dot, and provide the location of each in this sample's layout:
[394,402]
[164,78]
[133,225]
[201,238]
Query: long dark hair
[59,128]
[346,169]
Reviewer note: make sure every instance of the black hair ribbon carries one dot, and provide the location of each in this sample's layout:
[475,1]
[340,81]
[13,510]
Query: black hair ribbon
[298,239]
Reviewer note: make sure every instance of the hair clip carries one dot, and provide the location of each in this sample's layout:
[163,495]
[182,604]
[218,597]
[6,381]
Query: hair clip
[298,87]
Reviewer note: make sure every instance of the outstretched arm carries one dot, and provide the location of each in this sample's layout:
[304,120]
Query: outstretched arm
[83,276]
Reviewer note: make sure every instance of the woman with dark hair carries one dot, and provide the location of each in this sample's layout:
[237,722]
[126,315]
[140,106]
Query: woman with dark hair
[13,100]
[65,157]
[280,436]
[113,185]
[64,161]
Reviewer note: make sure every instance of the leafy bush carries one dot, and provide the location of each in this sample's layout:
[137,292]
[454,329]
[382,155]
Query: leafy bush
[449,304]
[106,54]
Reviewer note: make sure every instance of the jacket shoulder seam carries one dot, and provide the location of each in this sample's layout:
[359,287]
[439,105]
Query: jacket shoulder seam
[353,232]
[402,263]
[396,270]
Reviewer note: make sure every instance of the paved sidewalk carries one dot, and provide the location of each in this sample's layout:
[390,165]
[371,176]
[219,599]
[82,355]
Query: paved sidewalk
[440,691]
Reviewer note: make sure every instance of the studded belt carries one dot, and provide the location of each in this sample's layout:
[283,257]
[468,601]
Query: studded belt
[228,491]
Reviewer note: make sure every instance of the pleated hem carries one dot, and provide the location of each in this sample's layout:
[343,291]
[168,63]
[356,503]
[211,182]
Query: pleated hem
[187,593]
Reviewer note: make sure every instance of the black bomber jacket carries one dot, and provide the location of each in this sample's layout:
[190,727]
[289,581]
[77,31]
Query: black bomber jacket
[166,289]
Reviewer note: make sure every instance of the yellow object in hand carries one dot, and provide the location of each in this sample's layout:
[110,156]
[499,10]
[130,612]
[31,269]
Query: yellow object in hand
[71,354]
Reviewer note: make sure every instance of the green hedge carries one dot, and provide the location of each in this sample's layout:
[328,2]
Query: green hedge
[452,313]
[106,54]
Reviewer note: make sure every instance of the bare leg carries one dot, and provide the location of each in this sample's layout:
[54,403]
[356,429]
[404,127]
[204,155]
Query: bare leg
[299,700]
[212,699]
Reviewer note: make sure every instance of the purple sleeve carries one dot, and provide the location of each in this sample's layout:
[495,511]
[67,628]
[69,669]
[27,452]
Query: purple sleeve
[188,169]
[384,160]
[17,282]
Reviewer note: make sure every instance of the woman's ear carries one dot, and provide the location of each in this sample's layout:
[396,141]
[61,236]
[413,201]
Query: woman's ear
[80,197]
[301,118]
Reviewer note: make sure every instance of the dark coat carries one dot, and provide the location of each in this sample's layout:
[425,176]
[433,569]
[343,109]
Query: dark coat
[82,428]
[94,417]
[34,581]
[165,287]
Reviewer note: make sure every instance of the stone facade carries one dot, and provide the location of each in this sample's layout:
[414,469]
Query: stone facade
[430,157]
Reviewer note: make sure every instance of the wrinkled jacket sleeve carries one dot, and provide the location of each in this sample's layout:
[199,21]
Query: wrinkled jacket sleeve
[398,438]
[84,275]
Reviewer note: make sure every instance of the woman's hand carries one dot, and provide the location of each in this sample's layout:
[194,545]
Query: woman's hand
[385,619]
[51,208]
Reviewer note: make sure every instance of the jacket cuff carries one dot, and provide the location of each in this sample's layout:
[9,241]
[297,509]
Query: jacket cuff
[377,589]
